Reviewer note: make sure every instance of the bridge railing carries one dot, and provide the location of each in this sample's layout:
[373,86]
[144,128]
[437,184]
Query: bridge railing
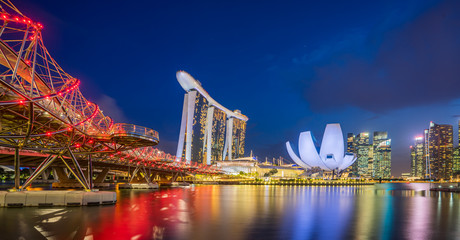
[125,130]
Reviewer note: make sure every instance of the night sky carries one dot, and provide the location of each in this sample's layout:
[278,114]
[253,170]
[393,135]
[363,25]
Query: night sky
[289,66]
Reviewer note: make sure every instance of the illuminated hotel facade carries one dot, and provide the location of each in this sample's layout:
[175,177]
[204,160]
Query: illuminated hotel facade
[209,132]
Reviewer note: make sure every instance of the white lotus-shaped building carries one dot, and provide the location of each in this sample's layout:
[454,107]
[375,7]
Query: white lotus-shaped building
[331,156]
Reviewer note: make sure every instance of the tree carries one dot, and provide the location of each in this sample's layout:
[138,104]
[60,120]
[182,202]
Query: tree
[271,172]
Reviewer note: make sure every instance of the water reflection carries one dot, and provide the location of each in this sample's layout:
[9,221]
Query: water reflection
[388,211]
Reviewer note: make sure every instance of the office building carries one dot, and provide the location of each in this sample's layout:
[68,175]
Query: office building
[413,165]
[440,147]
[362,152]
[373,159]
[381,155]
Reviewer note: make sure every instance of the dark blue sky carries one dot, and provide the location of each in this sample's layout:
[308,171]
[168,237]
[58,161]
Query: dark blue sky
[290,66]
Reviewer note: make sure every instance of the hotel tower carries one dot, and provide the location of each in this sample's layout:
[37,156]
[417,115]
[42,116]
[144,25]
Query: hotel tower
[209,132]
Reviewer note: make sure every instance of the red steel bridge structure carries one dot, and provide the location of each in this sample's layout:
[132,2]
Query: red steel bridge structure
[43,111]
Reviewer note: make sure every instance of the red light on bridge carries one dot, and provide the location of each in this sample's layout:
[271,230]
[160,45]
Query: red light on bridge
[90,141]
[77,145]
[48,134]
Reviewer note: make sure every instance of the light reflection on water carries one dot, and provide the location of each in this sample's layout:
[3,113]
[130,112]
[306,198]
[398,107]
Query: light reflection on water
[389,211]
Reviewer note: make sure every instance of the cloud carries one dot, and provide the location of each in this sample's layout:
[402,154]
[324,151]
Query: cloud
[414,64]
[110,107]
[350,42]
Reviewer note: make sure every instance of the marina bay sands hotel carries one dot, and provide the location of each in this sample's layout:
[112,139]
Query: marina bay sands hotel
[209,132]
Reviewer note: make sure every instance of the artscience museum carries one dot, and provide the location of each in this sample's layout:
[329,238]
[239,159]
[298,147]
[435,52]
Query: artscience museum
[331,156]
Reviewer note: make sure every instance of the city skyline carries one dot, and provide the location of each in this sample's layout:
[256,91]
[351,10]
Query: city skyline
[279,77]
[434,154]
[81,157]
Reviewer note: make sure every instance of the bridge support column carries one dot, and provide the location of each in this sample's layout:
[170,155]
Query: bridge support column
[46,174]
[17,170]
[140,173]
[134,174]
[174,178]
[61,175]
[39,170]
[90,172]
[146,175]
[153,177]
[102,175]
[77,173]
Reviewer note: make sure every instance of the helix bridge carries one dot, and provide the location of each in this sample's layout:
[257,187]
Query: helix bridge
[42,111]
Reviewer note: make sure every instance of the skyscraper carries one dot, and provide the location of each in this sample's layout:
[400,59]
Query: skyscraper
[381,155]
[370,162]
[427,153]
[418,158]
[440,145]
[209,132]
[373,159]
[456,162]
[413,165]
[362,152]
[353,169]
[456,156]
[420,161]
[350,143]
